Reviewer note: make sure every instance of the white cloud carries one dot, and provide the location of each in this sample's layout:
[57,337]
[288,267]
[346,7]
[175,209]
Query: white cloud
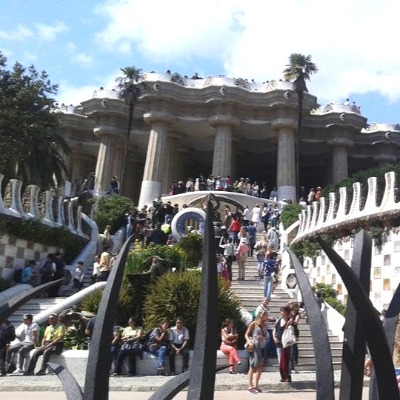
[82,59]
[48,32]
[20,33]
[351,41]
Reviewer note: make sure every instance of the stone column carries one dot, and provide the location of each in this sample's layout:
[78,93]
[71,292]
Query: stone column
[105,160]
[286,168]
[157,154]
[222,159]
[171,167]
[339,163]
[340,142]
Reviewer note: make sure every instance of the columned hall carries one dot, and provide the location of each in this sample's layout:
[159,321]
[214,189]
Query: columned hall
[221,126]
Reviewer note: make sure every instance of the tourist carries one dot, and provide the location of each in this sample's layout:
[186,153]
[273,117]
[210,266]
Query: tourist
[257,336]
[241,258]
[105,265]
[229,339]
[283,353]
[79,275]
[256,215]
[251,236]
[270,348]
[130,346]
[246,215]
[29,333]
[114,185]
[7,335]
[269,270]
[234,229]
[47,269]
[158,345]
[295,316]
[52,343]
[179,343]
[27,272]
[229,250]
[273,238]
[60,270]
[261,250]
[96,269]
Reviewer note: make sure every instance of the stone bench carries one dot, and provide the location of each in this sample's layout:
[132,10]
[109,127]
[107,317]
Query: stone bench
[76,362]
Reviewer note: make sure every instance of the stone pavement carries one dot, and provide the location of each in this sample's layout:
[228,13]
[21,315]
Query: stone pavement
[227,395]
[270,382]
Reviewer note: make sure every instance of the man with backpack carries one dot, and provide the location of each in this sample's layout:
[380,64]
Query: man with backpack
[7,335]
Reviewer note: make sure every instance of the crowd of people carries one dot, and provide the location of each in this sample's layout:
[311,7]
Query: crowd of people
[263,340]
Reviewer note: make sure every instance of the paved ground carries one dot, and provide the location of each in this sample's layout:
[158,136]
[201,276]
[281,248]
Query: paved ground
[228,387]
[226,395]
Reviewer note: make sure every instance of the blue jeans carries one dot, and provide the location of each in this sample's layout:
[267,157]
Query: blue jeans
[267,286]
[160,353]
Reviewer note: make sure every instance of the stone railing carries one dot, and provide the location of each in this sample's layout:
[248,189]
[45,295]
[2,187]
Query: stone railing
[40,206]
[322,217]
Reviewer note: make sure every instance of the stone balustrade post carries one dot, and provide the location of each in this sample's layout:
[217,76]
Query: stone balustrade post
[33,202]
[71,222]
[16,204]
[48,218]
[60,212]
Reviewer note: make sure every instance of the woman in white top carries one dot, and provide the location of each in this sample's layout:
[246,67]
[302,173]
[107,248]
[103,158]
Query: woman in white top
[256,215]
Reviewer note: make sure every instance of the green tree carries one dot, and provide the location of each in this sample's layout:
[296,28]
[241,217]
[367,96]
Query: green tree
[299,69]
[129,91]
[30,148]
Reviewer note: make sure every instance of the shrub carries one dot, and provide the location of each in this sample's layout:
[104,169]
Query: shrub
[330,296]
[192,249]
[178,294]
[5,284]
[91,301]
[290,214]
[111,210]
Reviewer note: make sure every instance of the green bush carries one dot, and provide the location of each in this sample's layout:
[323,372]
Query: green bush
[91,301]
[192,249]
[5,284]
[290,214]
[330,296]
[178,294]
[111,210]
[34,231]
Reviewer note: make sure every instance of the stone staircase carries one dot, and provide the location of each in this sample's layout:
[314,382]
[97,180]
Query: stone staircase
[251,291]
[34,306]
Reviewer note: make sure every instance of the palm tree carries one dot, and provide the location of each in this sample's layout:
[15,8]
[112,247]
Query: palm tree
[129,91]
[299,69]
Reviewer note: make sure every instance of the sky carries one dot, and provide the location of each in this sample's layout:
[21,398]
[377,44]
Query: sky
[82,44]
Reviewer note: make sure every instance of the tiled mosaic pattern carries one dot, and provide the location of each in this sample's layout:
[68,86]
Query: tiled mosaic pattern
[14,253]
[385,269]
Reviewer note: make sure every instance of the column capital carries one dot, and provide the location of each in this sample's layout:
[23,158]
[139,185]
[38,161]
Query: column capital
[158,116]
[284,122]
[221,119]
[340,141]
[102,131]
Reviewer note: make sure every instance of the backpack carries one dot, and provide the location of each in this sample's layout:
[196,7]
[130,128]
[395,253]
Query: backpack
[18,275]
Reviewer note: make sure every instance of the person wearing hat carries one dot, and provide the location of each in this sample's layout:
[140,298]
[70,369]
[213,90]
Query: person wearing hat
[28,335]
[241,257]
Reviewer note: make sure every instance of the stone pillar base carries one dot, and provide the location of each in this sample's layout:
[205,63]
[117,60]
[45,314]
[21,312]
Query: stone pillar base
[287,192]
[150,191]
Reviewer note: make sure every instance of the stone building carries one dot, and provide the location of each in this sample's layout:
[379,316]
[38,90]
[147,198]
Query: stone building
[222,126]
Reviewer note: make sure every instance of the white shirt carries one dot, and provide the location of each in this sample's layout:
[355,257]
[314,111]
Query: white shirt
[178,337]
[247,214]
[27,332]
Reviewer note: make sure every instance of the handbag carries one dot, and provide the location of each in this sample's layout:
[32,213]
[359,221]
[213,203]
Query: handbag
[132,347]
[288,337]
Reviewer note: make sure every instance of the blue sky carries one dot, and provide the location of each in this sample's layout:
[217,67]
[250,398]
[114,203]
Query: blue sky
[82,44]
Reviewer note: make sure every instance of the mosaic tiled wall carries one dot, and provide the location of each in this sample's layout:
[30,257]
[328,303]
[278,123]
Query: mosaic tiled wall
[385,268]
[14,253]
